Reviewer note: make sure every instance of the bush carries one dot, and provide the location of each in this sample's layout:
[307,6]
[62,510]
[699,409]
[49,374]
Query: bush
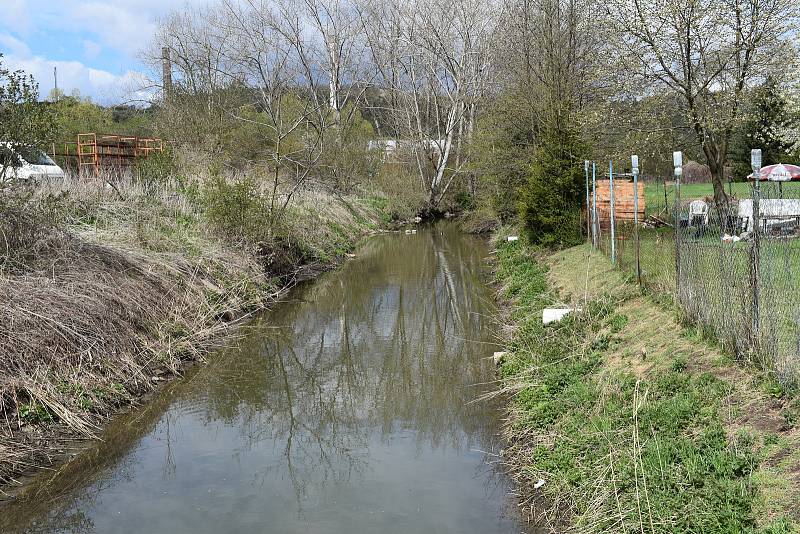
[398,184]
[155,170]
[346,160]
[502,152]
[551,201]
[237,210]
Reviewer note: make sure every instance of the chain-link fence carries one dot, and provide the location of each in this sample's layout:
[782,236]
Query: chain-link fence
[738,262]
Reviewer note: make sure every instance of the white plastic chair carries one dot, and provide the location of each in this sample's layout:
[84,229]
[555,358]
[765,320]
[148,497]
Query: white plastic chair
[698,210]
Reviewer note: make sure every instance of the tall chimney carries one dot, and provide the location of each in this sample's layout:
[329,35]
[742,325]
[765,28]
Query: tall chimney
[166,67]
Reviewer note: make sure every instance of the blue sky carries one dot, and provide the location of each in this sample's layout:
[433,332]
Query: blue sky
[96,45]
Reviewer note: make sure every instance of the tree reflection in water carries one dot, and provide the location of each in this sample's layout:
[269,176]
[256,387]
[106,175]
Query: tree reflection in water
[384,345]
[389,349]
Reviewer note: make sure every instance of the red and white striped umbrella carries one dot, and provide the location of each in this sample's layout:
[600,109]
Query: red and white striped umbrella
[779,173]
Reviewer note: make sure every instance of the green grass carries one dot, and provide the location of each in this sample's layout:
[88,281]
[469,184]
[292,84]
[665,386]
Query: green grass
[655,200]
[620,450]
[717,276]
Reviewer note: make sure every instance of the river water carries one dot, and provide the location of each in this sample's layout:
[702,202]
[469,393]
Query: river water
[345,409]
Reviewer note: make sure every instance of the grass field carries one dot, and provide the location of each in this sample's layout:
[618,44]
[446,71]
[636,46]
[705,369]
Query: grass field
[655,201]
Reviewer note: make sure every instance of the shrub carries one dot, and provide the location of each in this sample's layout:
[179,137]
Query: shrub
[346,160]
[551,200]
[399,186]
[155,170]
[502,151]
[26,221]
[237,210]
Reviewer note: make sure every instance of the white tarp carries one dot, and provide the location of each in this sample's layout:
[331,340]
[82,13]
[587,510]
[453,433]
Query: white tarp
[772,210]
[390,146]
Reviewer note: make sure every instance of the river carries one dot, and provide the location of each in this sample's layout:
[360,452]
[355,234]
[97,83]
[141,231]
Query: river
[345,409]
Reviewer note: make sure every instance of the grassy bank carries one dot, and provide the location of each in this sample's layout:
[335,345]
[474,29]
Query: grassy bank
[109,291]
[634,422]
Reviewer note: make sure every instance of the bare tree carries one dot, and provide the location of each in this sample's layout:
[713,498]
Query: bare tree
[432,59]
[249,61]
[709,52]
[552,52]
[195,40]
[285,106]
[335,23]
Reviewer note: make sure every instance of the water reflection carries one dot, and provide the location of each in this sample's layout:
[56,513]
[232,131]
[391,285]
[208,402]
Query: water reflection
[345,409]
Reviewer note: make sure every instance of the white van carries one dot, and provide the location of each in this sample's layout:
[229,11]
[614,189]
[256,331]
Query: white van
[34,165]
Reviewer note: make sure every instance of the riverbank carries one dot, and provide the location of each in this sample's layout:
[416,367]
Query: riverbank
[109,293]
[347,407]
[633,421]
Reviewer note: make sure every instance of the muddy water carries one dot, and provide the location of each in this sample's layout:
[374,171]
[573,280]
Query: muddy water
[345,409]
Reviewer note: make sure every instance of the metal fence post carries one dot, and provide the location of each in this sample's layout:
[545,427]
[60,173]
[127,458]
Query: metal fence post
[588,208]
[755,247]
[677,161]
[635,167]
[595,222]
[613,231]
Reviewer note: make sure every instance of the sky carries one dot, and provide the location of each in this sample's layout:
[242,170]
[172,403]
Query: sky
[96,45]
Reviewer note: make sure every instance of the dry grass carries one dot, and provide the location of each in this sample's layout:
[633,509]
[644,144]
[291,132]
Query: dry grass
[582,275]
[132,286]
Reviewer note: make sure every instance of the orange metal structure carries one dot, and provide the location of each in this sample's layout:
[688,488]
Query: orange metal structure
[93,151]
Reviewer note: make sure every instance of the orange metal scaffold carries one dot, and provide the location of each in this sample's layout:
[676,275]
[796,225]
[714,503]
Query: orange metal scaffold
[93,151]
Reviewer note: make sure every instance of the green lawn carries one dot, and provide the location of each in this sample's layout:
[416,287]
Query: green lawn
[654,192]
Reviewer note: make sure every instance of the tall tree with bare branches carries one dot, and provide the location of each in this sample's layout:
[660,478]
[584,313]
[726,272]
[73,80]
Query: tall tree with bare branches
[710,53]
[433,59]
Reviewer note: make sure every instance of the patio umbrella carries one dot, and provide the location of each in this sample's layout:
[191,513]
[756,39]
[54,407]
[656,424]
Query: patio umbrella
[779,173]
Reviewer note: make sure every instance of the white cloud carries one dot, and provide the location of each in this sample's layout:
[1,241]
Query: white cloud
[10,45]
[103,86]
[91,49]
[124,29]
[16,13]
[126,26]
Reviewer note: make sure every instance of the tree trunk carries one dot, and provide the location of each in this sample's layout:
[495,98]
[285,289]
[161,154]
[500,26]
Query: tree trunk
[716,153]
